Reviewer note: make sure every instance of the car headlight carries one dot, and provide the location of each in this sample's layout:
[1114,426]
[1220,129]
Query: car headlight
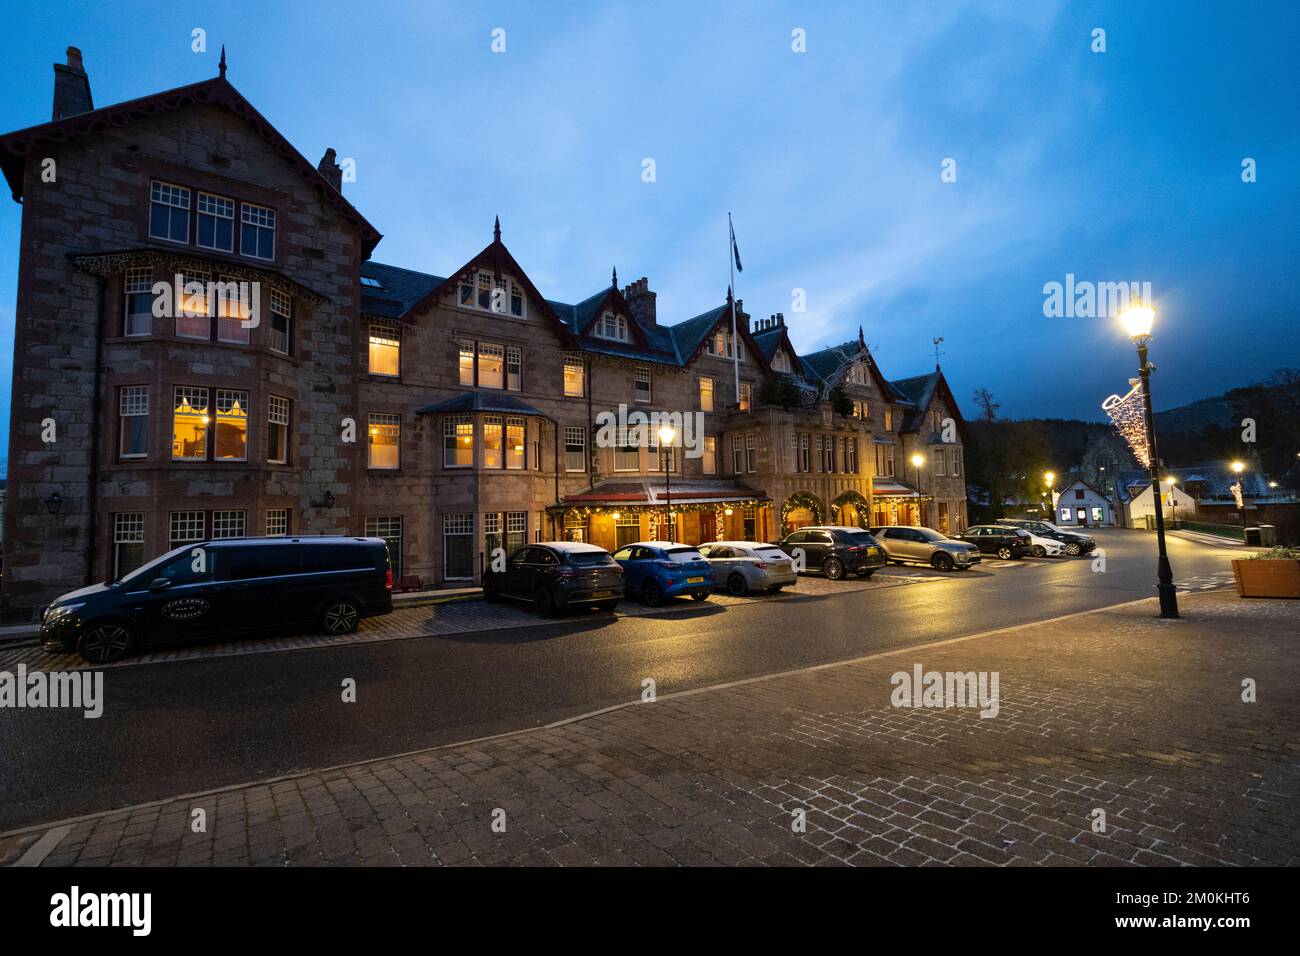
[62,610]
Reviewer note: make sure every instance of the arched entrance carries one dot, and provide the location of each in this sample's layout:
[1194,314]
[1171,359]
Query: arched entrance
[851,509]
[800,510]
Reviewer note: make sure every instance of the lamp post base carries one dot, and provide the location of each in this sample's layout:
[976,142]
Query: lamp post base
[1165,588]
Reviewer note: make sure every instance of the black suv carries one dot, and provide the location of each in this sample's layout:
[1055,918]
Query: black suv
[1075,543]
[225,588]
[557,575]
[835,550]
[1003,540]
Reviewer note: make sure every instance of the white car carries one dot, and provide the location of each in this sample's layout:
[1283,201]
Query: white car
[1044,547]
[744,566]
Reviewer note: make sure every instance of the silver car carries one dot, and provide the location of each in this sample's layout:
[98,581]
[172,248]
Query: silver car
[925,546]
[744,566]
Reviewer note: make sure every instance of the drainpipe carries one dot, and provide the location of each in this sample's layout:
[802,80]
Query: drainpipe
[96,403]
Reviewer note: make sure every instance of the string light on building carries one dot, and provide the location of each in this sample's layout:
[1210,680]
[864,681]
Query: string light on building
[1128,414]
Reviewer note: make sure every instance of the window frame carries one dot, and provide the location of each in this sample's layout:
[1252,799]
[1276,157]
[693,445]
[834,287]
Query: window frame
[123,415]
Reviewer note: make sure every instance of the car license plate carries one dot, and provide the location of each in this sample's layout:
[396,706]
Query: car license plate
[695,580]
[873,550]
[601,594]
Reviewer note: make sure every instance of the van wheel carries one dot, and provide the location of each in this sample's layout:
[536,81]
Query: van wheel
[105,643]
[833,569]
[1004,554]
[652,594]
[543,603]
[736,585]
[341,617]
[941,562]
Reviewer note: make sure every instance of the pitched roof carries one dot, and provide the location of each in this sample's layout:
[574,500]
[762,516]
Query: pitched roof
[480,402]
[402,288]
[17,146]
[920,390]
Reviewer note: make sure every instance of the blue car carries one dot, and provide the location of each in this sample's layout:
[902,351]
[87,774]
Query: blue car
[659,569]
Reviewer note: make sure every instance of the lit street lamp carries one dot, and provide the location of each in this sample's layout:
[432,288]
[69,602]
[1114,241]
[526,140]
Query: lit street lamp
[917,461]
[666,436]
[1137,320]
[1049,479]
[1172,480]
[1239,495]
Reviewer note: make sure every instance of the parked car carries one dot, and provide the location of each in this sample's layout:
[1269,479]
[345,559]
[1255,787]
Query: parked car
[1075,542]
[836,550]
[556,576]
[744,566]
[904,543]
[1004,541]
[225,588]
[1044,545]
[660,569]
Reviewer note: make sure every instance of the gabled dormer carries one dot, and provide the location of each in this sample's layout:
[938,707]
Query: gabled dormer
[775,348]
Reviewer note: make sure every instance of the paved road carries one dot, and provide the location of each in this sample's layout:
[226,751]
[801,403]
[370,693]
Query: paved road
[196,724]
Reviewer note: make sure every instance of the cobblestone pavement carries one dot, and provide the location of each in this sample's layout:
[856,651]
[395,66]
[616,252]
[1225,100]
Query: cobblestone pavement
[460,617]
[1111,710]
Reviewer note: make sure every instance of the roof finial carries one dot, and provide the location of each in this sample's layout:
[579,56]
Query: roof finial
[615,277]
[222,66]
[937,342]
[862,343]
[496,230]
[728,293]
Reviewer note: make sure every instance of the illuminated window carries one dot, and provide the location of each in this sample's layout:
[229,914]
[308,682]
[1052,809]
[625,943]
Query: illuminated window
[458,441]
[466,352]
[232,425]
[746,396]
[385,440]
[706,394]
[491,366]
[709,460]
[493,437]
[574,378]
[515,444]
[190,422]
[857,374]
[385,349]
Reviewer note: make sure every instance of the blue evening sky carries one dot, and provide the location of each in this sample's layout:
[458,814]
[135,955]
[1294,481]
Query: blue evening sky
[1115,166]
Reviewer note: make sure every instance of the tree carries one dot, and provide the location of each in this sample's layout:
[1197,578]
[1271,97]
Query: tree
[840,401]
[988,407]
[780,391]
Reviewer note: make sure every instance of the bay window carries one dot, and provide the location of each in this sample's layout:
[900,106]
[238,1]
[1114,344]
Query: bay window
[458,441]
[232,425]
[138,308]
[190,422]
[277,430]
[133,409]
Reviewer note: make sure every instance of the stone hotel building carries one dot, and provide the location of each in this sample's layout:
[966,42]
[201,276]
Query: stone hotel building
[206,348]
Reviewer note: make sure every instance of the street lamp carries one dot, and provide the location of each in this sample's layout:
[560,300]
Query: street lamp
[666,436]
[1050,479]
[1137,320]
[1239,495]
[1172,480]
[917,461]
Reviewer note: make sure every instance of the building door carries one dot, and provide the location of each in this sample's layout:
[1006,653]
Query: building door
[1082,514]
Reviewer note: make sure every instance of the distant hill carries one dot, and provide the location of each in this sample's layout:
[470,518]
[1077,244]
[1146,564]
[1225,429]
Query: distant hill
[1216,412]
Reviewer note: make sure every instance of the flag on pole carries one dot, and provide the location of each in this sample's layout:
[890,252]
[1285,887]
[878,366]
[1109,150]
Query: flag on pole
[734,249]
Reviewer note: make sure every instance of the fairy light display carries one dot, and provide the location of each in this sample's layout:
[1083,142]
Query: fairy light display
[1128,414]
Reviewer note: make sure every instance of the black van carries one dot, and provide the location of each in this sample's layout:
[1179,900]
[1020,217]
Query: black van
[225,588]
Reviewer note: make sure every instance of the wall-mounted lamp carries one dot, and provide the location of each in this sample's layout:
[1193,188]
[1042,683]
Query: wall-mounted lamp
[54,503]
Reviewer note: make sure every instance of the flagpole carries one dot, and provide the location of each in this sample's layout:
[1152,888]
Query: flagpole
[735,337]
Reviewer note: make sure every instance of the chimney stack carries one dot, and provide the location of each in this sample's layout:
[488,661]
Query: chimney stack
[331,170]
[71,87]
[641,301]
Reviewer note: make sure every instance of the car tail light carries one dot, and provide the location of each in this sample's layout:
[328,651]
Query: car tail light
[854,549]
[761,565]
[388,580]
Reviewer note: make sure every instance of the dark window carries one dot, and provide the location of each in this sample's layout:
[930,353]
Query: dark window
[263,561]
[343,557]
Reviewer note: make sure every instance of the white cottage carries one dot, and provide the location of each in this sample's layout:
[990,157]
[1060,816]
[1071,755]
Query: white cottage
[1080,505]
[1138,505]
